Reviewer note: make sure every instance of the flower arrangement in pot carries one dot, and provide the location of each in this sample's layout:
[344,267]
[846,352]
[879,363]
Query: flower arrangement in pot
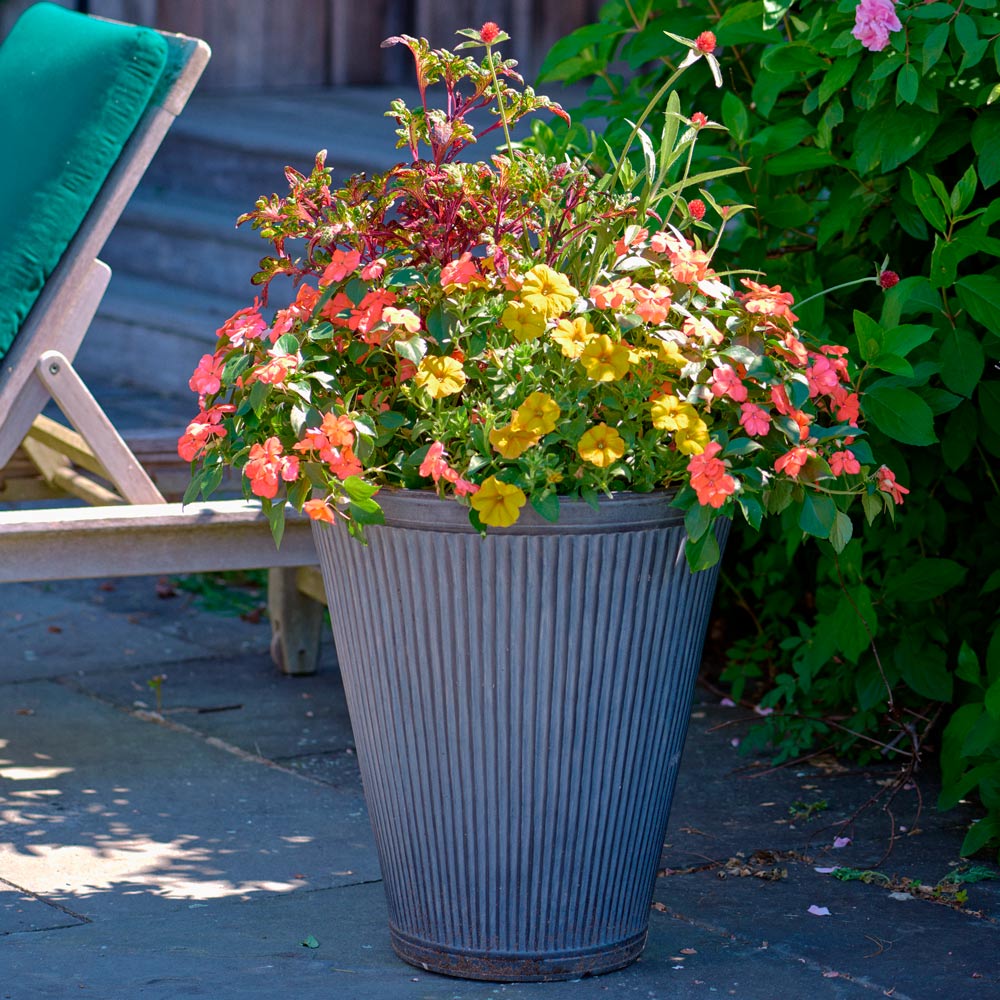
[533,354]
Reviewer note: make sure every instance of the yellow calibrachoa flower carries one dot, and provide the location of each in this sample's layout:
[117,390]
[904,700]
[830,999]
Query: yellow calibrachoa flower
[604,360]
[523,321]
[572,335]
[690,431]
[539,413]
[601,446]
[440,376]
[670,354]
[498,503]
[512,441]
[547,291]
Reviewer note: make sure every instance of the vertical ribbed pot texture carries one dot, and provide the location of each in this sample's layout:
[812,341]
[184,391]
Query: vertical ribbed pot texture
[519,704]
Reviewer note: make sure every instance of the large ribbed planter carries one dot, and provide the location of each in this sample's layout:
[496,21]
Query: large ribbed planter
[519,704]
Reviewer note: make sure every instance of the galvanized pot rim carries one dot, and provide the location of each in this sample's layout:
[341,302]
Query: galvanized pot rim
[424,510]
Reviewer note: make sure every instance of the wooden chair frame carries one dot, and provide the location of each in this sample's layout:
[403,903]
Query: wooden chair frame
[131,530]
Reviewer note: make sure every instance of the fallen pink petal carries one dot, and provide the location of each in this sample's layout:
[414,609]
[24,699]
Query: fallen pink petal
[819,911]
[825,871]
[839,842]
[727,703]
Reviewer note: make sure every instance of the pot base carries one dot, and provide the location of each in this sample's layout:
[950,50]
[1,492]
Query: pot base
[513,967]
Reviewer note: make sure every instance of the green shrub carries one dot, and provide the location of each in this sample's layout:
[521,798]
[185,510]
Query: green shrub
[855,158]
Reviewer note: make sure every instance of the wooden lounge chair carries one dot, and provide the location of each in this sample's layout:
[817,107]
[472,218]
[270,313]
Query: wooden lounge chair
[85,103]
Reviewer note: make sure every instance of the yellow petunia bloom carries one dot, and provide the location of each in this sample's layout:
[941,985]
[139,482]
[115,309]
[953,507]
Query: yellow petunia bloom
[601,446]
[524,322]
[604,360]
[511,441]
[665,412]
[547,292]
[572,336]
[693,439]
[670,354]
[539,413]
[440,376]
[497,503]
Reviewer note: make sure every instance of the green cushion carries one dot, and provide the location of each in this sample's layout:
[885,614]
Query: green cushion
[72,90]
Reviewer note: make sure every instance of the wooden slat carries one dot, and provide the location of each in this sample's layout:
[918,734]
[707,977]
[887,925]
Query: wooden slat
[66,441]
[145,540]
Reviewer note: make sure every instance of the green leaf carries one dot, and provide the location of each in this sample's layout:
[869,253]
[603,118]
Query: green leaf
[774,12]
[752,511]
[992,700]
[547,506]
[968,664]
[869,335]
[959,437]
[837,77]
[702,554]
[934,45]
[924,668]
[962,361]
[980,834]
[986,143]
[888,137]
[893,363]
[818,515]
[357,489]
[856,624]
[799,161]
[900,340]
[964,191]
[783,136]
[925,580]
[697,521]
[841,532]
[979,294]
[907,84]
[792,57]
[929,204]
[899,413]
[310,942]
[735,116]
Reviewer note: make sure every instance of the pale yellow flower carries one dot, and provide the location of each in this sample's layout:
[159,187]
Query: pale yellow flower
[539,414]
[604,360]
[547,292]
[511,441]
[497,503]
[523,321]
[692,439]
[690,431]
[601,446]
[572,335]
[440,376]
[670,354]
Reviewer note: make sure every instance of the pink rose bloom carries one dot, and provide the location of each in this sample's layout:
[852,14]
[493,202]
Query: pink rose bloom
[873,20]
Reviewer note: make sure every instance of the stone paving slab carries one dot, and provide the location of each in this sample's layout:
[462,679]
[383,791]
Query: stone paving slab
[115,816]
[254,950]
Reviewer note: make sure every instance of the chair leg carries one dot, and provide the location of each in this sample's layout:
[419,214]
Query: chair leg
[296,623]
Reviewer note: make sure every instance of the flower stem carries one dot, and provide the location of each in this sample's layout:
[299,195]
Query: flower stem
[835,288]
[500,107]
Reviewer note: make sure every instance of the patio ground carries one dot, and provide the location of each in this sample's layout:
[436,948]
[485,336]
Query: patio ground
[192,851]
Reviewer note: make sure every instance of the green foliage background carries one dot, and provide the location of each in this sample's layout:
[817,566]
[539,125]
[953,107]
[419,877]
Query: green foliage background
[854,157]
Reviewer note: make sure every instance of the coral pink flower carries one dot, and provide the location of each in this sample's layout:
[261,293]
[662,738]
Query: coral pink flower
[791,462]
[434,465]
[206,380]
[623,246]
[766,301]
[246,324]
[267,465]
[822,376]
[756,420]
[873,22]
[705,42]
[709,477]
[780,399]
[463,271]
[846,405]
[614,295]
[488,32]
[201,430]
[689,266]
[844,461]
[726,382]
[887,484]
[697,209]
[305,302]
[369,311]
[837,355]
[652,304]
[319,510]
[275,371]
[342,263]
[374,270]
[698,120]
[698,328]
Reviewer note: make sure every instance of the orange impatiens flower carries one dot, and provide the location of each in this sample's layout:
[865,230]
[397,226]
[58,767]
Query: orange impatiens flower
[792,462]
[887,484]
[710,478]
[267,465]
[319,510]
[206,379]
[764,300]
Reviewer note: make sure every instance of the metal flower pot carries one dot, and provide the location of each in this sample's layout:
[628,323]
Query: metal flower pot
[519,704]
